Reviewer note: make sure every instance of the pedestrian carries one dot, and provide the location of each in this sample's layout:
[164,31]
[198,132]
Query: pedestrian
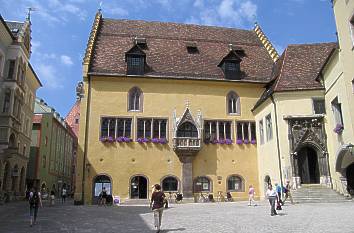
[52,197]
[63,195]
[287,191]
[278,188]
[34,202]
[272,196]
[104,196]
[157,204]
[251,194]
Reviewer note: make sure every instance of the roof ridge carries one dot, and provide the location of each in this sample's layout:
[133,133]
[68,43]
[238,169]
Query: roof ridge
[178,23]
[92,38]
[281,69]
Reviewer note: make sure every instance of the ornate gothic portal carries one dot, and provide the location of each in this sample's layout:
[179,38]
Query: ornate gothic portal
[187,133]
[308,151]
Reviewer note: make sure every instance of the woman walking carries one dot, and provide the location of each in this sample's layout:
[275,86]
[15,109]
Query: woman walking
[157,204]
[34,202]
[251,194]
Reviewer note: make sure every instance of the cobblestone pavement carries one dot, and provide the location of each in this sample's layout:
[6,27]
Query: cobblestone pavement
[184,218]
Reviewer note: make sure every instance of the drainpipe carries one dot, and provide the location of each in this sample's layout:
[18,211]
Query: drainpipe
[88,107]
[278,146]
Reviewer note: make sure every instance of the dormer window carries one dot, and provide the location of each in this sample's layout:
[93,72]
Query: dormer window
[231,66]
[192,47]
[135,59]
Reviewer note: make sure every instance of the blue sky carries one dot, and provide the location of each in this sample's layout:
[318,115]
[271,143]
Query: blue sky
[60,29]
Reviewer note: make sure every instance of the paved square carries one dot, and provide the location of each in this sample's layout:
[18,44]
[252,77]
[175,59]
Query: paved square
[184,218]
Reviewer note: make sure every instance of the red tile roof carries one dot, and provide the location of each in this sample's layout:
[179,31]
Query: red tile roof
[73,117]
[167,54]
[37,118]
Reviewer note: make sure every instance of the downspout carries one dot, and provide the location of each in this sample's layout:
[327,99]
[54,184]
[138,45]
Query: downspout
[278,146]
[88,105]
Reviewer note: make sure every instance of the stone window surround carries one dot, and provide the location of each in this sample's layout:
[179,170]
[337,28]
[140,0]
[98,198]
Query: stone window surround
[250,135]
[241,182]
[217,130]
[153,119]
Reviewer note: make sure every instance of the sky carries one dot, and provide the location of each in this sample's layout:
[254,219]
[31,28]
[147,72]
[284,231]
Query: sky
[60,29]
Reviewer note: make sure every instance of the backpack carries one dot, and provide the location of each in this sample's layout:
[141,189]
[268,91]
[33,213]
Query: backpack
[34,199]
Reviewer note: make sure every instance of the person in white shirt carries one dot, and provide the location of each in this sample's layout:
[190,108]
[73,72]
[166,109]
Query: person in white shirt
[272,196]
[63,195]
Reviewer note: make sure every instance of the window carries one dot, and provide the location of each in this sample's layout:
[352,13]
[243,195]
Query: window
[187,130]
[234,183]
[7,98]
[170,184]
[215,130]
[353,85]
[246,132]
[337,112]
[233,103]
[159,128]
[135,65]
[1,65]
[319,106]
[24,150]
[351,23]
[124,127]
[269,127]
[144,128]
[11,72]
[135,99]
[261,132]
[202,184]
[232,69]
[77,120]
[116,127]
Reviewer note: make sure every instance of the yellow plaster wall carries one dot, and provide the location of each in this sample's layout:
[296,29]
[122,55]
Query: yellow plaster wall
[161,97]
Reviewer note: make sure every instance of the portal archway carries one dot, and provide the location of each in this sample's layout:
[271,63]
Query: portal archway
[350,179]
[138,187]
[308,165]
[100,182]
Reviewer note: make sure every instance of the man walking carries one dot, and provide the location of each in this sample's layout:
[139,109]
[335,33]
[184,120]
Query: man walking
[34,201]
[287,192]
[272,196]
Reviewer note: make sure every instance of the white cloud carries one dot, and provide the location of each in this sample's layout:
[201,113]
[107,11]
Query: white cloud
[66,60]
[117,11]
[48,75]
[234,13]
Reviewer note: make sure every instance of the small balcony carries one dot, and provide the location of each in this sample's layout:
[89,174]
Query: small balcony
[186,144]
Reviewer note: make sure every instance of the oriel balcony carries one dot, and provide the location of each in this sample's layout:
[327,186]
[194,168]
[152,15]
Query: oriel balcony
[186,144]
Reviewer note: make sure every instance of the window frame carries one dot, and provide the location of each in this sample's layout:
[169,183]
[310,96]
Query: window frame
[351,29]
[152,127]
[269,130]
[169,177]
[316,101]
[202,190]
[240,132]
[242,183]
[135,90]
[116,126]
[217,129]
[237,102]
[261,131]
[337,112]
[133,69]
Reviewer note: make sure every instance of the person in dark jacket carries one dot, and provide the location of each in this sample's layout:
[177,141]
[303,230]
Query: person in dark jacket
[157,204]
[34,202]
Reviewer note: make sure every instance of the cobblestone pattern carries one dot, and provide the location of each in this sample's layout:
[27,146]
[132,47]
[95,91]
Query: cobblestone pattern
[184,218]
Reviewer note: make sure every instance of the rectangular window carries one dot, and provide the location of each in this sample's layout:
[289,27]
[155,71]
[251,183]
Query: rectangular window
[159,128]
[7,98]
[246,132]
[261,132]
[144,128]
[319,106]
[337,112]
[217,130]
[135,65]
[116,127]
[269,127]
[11,72]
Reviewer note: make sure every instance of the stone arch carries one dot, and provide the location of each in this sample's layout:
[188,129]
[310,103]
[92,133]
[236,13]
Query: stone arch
[170,176]
[199,187]
[12,141]
[98,182]
[235,189]
[344,153]
[135,99]
[139,187]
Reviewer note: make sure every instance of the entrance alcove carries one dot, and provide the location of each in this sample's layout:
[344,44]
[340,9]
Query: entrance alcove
[100,182]
[308,165]
[138,187]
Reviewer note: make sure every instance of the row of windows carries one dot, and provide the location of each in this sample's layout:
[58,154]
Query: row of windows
[116,127]
[135,101]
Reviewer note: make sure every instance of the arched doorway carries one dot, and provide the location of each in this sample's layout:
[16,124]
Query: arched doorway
[170,184]
[100,182]
[308,166]
[138,187]
[350,179]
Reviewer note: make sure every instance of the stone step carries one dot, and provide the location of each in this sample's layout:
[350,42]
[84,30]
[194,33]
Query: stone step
[314,193]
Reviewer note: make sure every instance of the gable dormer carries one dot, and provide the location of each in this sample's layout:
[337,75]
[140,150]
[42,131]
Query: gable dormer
[136,60]
[230,65]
